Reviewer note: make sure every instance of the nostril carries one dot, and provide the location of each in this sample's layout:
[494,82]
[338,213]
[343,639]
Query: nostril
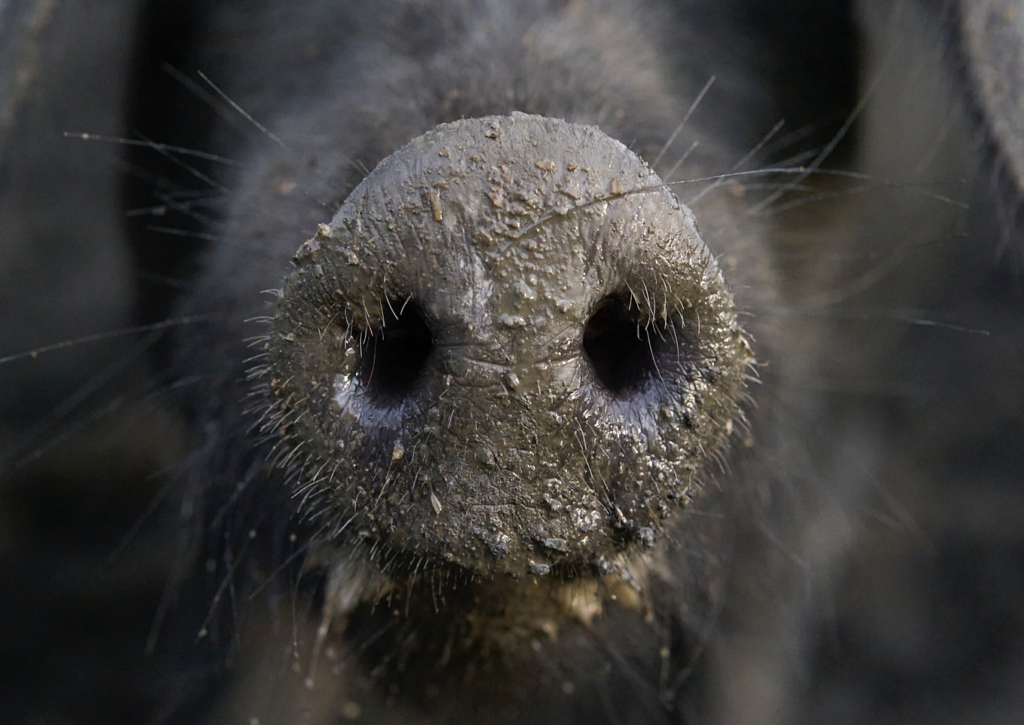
[621,347]
[394,354]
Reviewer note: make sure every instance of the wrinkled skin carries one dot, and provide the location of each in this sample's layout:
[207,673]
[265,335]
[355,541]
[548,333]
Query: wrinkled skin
[515,418]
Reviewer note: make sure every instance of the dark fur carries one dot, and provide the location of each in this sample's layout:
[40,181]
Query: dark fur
[876,556]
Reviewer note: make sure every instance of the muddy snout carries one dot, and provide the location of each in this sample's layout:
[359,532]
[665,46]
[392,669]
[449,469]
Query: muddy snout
[509,351]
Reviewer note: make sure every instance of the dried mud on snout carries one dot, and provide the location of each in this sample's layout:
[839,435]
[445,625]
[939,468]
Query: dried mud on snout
[506,448]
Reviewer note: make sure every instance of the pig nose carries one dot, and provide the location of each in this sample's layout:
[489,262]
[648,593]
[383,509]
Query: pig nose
[510,351]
